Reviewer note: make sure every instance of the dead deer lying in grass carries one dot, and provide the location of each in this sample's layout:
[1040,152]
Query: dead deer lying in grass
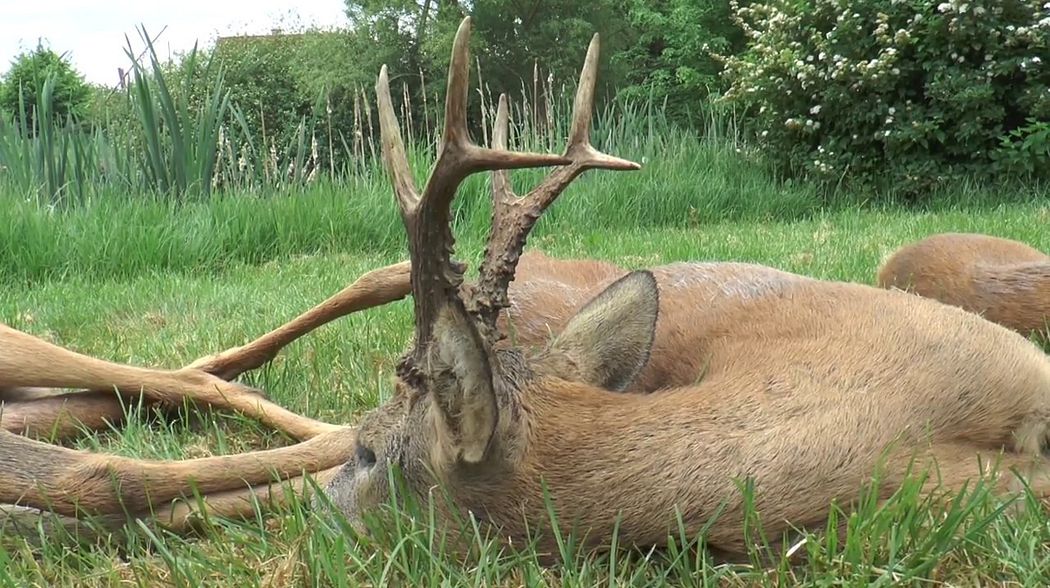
[546,293]
[1005,281]
[807,385]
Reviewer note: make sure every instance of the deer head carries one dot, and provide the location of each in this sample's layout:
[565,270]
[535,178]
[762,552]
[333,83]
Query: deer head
[456,416]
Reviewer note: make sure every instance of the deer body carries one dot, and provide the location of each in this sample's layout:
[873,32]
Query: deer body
[39,396]
[547,292]
[806,432]
[799,385]
[1005,281]
[787,398]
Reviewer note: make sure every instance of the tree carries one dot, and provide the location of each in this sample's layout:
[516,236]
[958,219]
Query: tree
[672,60]
[24,83]
[660,49]
[514,41]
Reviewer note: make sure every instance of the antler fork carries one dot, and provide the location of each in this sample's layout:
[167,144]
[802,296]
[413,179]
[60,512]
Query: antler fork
[435,279]
[514,217]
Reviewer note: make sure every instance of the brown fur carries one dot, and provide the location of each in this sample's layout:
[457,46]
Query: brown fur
[804,387]
[548,291]
[1005,281]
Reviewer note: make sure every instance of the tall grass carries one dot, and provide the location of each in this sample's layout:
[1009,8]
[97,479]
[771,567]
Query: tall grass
[185,185]
[181,135]
[55,162]
[181,139]
[187,139]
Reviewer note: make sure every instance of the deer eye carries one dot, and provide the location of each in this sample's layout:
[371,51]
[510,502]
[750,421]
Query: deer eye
[364,457]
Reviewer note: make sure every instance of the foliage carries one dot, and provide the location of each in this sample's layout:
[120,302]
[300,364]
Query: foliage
[258,74]
[173,133]
[517,39]
[673,58]
[650,50]
[906,92]
[53,159]
[180,136]
[20,92]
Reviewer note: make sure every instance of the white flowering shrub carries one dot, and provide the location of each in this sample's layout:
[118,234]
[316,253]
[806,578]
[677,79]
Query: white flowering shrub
[909,91]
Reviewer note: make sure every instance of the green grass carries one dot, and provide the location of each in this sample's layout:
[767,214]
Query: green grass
[198,279]
[686,183]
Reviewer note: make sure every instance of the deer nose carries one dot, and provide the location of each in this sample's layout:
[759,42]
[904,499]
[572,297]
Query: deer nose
[364,457]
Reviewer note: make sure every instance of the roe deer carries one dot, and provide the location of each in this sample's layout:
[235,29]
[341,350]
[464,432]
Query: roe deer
[807,385]
[545,294]
[76,483]
[1005,281]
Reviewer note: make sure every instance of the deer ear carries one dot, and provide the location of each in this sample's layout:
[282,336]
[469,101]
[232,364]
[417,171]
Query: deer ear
[461,388]
[609,340]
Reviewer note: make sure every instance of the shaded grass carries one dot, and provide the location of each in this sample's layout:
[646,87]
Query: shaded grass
[166,317]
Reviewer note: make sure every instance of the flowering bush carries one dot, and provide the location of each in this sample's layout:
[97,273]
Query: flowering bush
[909,91]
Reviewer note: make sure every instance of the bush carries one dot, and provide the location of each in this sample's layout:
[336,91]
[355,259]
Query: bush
[24,83]
[912,92]
[671,61]
[260,80]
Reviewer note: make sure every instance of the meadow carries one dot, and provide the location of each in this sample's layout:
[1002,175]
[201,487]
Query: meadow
[140,278]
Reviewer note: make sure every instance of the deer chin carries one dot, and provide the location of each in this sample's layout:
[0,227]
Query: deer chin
[340,494]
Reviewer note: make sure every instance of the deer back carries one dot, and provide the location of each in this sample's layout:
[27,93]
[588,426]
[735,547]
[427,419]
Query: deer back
[1006,281]
[548,292]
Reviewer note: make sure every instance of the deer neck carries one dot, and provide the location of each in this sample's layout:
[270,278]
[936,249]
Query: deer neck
[593,454]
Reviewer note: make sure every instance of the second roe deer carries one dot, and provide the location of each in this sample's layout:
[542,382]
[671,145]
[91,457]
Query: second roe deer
[1005,281]
[807,385]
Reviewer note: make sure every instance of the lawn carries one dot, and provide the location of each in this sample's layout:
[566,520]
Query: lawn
[140,279]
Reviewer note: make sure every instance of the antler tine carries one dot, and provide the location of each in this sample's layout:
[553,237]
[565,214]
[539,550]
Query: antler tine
[459,156]
[579,148]
[513,218]
[393,149]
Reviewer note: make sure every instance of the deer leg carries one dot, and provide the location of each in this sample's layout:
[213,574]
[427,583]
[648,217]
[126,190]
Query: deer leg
[62,416]
[25,393]
[375,288]
[179,516]
[28,361]
[75,483]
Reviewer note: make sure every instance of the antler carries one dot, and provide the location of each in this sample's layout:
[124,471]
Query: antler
[435,278]
[514,217]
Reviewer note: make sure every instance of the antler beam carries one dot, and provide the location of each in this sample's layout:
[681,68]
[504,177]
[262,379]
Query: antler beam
[435,278]
[514,217]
